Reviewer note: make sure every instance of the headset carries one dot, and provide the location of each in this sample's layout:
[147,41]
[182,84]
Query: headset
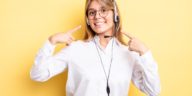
[116,17]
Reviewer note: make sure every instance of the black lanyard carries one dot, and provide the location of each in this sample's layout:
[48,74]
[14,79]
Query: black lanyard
[109,71]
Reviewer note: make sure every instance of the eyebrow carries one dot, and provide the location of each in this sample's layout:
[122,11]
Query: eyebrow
[94,9]
[90,9]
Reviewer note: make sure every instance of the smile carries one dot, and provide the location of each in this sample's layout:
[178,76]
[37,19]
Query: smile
[99,24]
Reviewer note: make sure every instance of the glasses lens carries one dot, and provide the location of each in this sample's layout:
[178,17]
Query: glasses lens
[103,12]
[91,14]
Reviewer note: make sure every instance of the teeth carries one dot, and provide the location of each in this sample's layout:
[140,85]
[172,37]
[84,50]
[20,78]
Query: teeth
[98,23]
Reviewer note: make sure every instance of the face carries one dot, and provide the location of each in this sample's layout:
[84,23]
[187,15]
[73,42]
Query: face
[100,18]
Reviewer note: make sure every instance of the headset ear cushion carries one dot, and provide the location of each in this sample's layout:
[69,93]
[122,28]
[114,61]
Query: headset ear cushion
[87,22]
[116,18]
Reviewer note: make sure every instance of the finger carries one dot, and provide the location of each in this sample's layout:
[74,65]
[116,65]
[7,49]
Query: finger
[130,36]
[68,42]
[72,38]
[129,43]
[75,29]
[130,49]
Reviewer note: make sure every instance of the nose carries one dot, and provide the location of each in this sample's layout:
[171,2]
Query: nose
[97,15]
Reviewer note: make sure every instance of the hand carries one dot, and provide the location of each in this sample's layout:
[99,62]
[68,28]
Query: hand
[63,37]
[135,44]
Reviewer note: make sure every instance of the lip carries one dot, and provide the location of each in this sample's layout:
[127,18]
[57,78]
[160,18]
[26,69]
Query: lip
[99,24]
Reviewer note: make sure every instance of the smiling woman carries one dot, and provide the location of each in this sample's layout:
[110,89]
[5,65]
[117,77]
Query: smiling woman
[101,64]
[107,10]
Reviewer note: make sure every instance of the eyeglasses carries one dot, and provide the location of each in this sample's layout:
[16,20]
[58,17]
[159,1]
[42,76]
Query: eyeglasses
[102,12]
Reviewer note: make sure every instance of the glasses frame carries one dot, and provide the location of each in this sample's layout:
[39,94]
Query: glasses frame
[98,11]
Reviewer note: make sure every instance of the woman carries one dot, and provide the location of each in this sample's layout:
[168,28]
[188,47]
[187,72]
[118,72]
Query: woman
[101,64]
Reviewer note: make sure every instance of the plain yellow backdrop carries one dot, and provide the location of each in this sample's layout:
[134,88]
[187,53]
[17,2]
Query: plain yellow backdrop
[164,25]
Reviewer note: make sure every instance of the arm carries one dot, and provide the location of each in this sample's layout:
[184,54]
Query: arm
[145,71]
[47,65]
[145,75]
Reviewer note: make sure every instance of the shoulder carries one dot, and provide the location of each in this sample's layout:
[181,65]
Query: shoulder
[79,45]
[126,50]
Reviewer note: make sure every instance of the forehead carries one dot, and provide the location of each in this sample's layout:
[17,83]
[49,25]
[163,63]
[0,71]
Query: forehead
[95,4]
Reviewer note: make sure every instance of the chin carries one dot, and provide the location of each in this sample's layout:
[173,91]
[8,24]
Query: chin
[99,31]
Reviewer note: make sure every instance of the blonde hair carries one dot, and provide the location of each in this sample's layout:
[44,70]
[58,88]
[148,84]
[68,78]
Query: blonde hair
[89,33]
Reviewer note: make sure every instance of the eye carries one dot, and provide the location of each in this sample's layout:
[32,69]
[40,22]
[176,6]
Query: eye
[91,13]
[103,10]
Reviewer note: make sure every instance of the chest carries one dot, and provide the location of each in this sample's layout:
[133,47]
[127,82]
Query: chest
[89,66]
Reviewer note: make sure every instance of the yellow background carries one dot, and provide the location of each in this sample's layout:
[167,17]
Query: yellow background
[164,25]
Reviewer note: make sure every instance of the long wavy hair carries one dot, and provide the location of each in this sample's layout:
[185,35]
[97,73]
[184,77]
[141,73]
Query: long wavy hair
[89,33]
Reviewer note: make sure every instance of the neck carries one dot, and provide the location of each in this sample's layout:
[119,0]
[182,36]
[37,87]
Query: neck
[104,41]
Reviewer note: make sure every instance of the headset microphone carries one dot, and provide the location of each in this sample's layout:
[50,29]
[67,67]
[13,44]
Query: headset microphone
[107,36]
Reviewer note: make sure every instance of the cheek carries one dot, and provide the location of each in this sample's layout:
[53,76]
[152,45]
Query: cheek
[109,22]
[109,19]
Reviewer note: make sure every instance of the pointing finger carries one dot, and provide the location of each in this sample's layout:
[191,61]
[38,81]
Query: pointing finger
[75,29]
[130,36]
[72,38]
